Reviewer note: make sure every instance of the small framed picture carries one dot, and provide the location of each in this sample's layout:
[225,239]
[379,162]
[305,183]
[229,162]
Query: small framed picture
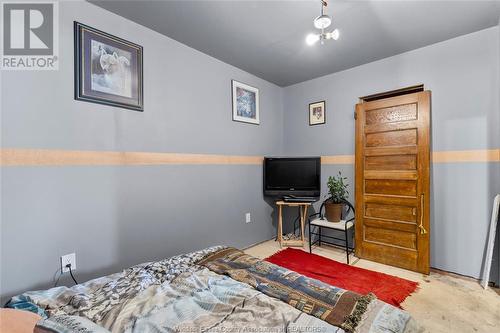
[245,103]
[108,69]
[317,113]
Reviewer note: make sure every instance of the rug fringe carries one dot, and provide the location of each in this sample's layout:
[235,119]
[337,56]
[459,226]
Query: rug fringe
[276,254]
[410,291]
[352,320]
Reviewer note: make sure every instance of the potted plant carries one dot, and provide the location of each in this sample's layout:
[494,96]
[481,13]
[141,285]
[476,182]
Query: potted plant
[337,190]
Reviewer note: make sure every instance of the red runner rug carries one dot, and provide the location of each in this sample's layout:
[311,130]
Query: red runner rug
[388,288]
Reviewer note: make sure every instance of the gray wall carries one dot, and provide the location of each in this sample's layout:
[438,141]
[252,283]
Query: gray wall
[495,265]
[113,217]
[462,74]
[117,216]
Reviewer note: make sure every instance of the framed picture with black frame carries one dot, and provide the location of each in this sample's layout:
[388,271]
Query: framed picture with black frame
[108,69]
[317,113]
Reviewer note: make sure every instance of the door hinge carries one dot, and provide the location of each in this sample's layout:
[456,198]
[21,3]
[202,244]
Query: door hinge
[355,115]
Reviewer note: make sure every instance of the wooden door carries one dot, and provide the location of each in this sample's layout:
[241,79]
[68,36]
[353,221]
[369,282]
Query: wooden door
[392,181]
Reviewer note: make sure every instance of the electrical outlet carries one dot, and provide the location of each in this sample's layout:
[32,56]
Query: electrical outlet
[248,218]
[68,259]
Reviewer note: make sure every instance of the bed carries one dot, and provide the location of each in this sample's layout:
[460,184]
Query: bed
[218,289]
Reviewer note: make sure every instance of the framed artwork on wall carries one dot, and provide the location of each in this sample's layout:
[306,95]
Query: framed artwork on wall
[317,113]
[245,103]
[108,69]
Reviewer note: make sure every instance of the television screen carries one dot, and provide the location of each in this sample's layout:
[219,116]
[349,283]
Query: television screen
[298,176]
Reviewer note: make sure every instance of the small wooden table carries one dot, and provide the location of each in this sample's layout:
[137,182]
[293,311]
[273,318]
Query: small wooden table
[303,206]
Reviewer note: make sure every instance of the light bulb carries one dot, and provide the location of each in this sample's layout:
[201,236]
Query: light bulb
[311,39]
[322,21]
[333,35]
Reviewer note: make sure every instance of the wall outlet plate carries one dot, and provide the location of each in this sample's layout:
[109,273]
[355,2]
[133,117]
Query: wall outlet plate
[248,218]
[68,259]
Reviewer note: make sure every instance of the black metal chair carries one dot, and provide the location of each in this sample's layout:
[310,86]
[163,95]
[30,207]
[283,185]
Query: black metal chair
[319,221]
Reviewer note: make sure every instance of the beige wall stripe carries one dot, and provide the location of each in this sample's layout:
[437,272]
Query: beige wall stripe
[49,157]
[454,156]
[337,159]
[491,155]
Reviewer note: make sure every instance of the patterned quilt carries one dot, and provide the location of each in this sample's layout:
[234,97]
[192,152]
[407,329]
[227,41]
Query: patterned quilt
[217,289]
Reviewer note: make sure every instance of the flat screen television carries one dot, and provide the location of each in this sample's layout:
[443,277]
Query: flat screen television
[298,176]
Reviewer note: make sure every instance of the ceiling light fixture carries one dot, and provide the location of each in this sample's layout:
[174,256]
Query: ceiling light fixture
[322,22]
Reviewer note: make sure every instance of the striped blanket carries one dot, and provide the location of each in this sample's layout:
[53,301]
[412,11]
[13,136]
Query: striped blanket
[336,306]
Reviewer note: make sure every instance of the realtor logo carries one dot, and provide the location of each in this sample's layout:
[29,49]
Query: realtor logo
[29,36]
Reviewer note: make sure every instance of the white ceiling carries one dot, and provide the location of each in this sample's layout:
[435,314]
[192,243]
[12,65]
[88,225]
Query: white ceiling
[267,38]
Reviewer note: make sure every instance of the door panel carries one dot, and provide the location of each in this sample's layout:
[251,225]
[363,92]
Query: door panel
[400,174]
[406,137]
[391,187]
[394,162]
[392,114]
[391,225]
[389,151]
[390,254]
[391,212]
[390,237]
[392,181]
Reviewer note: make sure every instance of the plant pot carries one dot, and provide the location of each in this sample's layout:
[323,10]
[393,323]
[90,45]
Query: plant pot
[333,211]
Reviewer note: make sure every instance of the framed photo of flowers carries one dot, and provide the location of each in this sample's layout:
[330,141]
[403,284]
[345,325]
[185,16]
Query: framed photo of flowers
[245,103]
[108,69]
[317,113]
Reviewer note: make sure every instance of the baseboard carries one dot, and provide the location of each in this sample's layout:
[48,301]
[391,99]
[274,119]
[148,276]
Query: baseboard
[255,244]
[460,276]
